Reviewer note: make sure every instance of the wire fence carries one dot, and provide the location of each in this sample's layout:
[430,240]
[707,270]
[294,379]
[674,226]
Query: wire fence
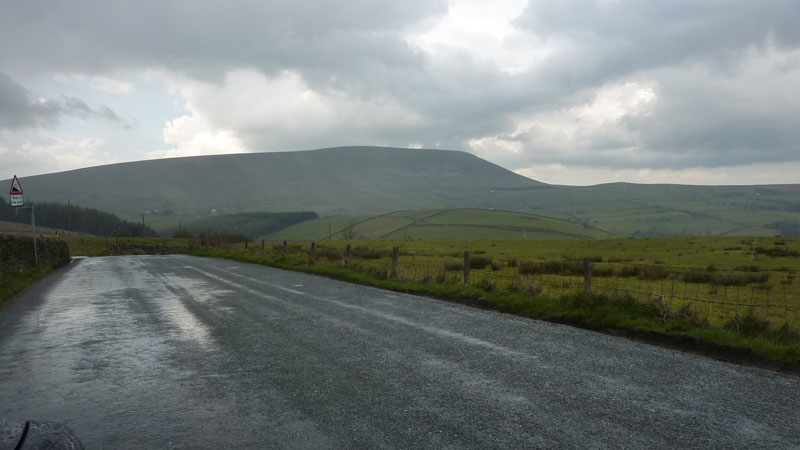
[716,296]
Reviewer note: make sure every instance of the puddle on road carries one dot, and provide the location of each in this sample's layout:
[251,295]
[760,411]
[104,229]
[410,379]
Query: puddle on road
[173,291]
[95,294]
[200,290]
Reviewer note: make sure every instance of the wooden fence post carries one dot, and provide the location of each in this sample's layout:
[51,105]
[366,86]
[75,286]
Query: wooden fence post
[313,250]
[284,249]
[395,253]
[262,246]
[466,267]
[347,255]
[587,275]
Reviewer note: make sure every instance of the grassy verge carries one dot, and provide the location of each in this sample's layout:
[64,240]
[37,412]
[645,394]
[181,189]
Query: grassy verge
[11,284]
[747,339]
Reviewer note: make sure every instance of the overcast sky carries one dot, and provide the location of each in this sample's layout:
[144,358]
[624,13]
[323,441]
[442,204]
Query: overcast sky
[569,92]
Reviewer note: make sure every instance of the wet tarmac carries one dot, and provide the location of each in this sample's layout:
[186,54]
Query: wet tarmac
[177,352]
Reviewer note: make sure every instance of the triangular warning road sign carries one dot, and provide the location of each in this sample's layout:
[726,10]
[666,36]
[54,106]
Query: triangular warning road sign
[16,188]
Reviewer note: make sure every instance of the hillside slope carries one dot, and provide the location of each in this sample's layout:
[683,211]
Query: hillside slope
[440,224]
[674,210]
[347,180]
[358,181]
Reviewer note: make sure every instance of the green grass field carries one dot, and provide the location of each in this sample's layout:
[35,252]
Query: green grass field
[671,210]
[718,279]
[442,224]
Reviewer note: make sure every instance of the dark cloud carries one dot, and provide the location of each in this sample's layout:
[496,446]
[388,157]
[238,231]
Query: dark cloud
[612,38]
[714,108]
[19,109]
[713,121]
[205,39]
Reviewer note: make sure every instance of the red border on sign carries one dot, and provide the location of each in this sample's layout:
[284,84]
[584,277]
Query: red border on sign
[11,191]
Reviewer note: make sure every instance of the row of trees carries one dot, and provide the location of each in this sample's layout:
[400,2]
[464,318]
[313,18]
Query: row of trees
[76,218]
[248,225]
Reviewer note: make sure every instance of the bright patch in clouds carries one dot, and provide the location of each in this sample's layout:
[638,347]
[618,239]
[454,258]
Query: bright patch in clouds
[485,31]
[105,84]
[111,85]
[247,99]
[249,111]
[577,130]
[193,136]
[574,127]
[32,155]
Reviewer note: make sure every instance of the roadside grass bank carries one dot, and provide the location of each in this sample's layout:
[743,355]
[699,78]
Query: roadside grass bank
[21,262]
[745,339]
[12,283]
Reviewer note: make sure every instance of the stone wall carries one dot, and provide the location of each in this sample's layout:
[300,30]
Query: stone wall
[136,248]
[16,252]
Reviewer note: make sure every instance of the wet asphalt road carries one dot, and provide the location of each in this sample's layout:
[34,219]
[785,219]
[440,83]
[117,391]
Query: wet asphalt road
[151,352]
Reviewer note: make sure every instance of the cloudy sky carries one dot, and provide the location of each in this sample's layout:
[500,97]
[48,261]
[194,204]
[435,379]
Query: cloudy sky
[571,92]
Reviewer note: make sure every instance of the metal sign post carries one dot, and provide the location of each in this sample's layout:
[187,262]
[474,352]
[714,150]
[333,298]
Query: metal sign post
[18,201]
[35,251]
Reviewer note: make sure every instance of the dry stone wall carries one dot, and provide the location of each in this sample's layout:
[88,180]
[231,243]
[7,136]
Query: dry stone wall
[16,252]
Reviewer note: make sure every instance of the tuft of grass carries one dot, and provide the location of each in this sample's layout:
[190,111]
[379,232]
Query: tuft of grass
[526,288]
[723,279]
[479,262]
[620,260]
[777,252]
[454,266]
[748,268]
[643,272]
[486,284]
[550,268]
[366,253]
[331,254]
[749,325]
